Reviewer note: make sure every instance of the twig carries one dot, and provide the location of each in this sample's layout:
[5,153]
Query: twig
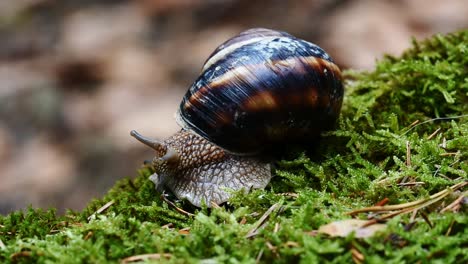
[17,255]
[243,221]
[102,209]
[416,123]
[413,124]
[382,202]
[411,205]
[408,154]
[357,256]
[449,154]
[411,183]
[167,226]
[409,226]
[438,169]
[387,216]
[443,144]
[289,194]
[450,165]
[425,203]
[433,134]
[262,221]
[370,222]
[450,228]
[214,205]
[272,248]
[413,216]
[291,244]
[277,227]
[2,246]
[455,203]
[178,209]
[424,216]
[145,257]
[88,235]
[259,256]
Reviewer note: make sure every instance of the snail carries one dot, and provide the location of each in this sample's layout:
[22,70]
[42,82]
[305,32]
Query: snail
[256,92]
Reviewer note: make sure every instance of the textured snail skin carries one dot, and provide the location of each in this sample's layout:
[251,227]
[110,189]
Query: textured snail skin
[258,91]
[204,172]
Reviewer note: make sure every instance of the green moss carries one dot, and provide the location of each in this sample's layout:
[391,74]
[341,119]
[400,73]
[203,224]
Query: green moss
[137,198]
[358,165]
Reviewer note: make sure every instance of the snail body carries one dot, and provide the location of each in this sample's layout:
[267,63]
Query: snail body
[257,91]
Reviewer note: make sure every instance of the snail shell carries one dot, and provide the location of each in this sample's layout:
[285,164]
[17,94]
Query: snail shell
[260,88]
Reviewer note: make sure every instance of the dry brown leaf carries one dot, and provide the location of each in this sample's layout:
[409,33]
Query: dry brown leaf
[343,228]
[185,231]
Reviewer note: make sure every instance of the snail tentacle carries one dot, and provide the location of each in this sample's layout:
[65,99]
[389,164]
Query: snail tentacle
[152,143]
[171,156]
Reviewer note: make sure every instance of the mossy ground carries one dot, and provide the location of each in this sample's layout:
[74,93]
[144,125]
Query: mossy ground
[384,147]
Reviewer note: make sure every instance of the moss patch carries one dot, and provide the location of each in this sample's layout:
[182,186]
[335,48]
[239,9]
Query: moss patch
[403,136]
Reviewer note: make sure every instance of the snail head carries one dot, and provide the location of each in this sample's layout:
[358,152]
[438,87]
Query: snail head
[165,157]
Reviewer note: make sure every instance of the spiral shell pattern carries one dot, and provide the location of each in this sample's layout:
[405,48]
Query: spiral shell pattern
[260,88]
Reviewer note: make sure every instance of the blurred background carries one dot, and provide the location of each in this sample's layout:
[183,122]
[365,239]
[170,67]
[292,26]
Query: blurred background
[77,76]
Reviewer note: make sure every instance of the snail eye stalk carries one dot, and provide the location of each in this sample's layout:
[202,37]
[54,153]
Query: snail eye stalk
[152,143]
[170,156]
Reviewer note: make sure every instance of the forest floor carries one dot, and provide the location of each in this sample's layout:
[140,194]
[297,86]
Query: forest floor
[389,184]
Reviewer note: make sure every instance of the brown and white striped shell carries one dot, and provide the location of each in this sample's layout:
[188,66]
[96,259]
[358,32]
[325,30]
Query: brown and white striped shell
[260,88]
